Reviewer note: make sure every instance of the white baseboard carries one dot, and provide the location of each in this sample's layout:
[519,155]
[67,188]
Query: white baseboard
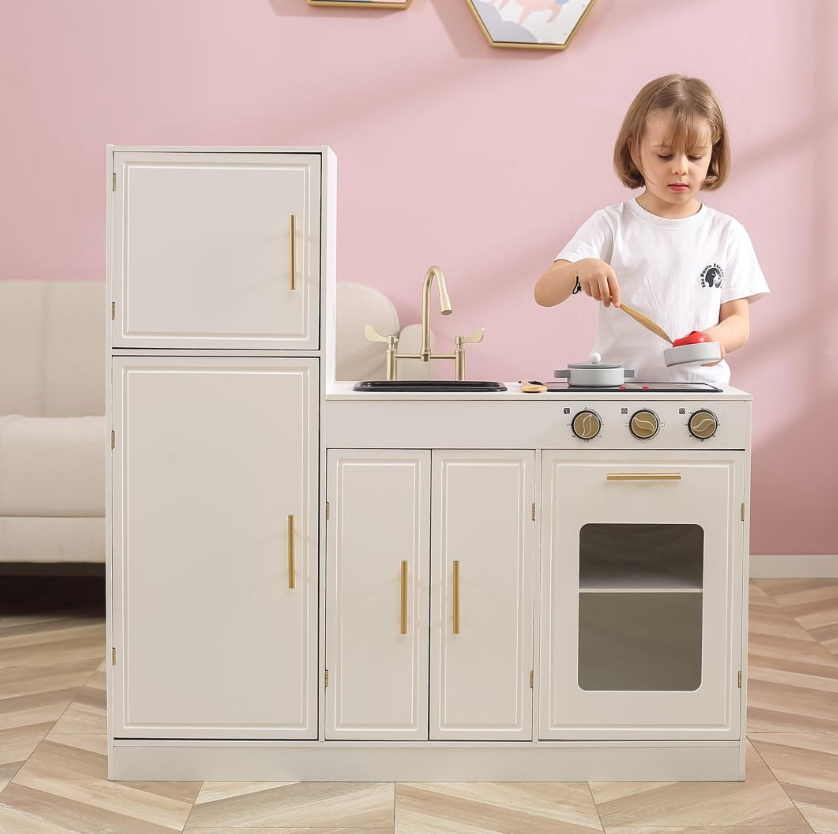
[794,566]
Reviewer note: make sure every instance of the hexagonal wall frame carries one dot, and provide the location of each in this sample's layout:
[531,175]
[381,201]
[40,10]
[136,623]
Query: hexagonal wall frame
[530,24]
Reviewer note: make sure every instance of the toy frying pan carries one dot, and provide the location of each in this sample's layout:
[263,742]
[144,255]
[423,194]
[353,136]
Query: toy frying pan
[685,354]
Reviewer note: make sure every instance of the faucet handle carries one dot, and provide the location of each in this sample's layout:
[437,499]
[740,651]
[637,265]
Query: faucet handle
[374,336]
[477,336]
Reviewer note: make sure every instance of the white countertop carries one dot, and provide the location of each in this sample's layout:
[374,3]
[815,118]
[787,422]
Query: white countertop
[343,391]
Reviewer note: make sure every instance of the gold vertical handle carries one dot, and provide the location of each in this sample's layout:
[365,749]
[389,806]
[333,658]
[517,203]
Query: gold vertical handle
[292,567]
[403,629]
[456,597]
[292,267]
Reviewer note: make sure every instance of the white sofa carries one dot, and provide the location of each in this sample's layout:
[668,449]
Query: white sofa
[53,438]
[52,424]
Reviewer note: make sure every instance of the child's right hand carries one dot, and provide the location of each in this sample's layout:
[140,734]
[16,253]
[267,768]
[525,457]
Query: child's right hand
[599,281]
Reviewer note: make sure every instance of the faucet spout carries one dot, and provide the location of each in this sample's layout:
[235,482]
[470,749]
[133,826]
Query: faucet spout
[444,304]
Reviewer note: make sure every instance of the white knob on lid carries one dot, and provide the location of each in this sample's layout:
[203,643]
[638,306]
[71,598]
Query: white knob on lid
[595,359]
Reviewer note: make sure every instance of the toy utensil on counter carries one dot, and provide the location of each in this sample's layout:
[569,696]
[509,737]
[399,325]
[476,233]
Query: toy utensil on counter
[532,386]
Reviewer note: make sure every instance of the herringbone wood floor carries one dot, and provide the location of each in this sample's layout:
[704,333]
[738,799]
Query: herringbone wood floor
[53,774]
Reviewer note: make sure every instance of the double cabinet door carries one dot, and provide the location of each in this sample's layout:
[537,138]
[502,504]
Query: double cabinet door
[216,250]
[215,547]
[429,594]
[641,596]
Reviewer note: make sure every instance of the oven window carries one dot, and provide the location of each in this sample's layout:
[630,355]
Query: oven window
[640,607]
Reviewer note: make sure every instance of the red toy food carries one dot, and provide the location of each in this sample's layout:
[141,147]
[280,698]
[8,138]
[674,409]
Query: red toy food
[691,339]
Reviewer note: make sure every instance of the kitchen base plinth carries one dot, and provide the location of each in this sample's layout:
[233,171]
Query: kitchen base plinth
[217,761]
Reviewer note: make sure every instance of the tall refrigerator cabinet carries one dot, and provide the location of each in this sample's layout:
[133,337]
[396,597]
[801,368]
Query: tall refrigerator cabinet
[220,272]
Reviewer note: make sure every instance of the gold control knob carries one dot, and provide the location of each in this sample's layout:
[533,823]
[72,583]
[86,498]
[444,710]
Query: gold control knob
[644,424]
[586,424]
[703,424]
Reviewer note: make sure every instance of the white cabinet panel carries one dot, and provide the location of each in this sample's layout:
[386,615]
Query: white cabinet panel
[483,541]
[203,250]
[377,594]
[641,595]
[215,606]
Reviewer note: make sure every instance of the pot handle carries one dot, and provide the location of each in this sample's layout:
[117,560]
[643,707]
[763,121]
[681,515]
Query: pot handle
[629,373]
[563,374]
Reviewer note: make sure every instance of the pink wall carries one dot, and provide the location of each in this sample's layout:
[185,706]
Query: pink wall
[483,161]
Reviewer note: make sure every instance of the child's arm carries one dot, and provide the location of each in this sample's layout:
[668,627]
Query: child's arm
[596,278]
[556,284]
[734,326]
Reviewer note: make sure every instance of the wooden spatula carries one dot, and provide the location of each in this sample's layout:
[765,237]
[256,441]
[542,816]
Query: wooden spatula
[646,322]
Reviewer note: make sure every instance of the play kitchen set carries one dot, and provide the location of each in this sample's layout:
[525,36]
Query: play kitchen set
[311,580]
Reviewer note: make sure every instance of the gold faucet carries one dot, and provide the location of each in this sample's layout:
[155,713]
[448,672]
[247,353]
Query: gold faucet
[444,306]
[425,354]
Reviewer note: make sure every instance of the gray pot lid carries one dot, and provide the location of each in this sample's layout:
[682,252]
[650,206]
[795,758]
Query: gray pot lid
[591,366]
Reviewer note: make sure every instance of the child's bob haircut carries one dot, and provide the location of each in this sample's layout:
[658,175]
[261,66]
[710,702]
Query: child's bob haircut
[691,105]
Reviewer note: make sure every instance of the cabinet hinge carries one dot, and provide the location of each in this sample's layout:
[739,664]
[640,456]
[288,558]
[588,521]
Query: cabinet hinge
[325,678]
[114,182]
[532,678]
[328,511]
[113,311]
[742,513]
[113,656]
[533,510]
[739,679]
[113,439]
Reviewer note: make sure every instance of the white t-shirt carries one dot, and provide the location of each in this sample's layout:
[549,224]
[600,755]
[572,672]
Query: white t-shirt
[677,272]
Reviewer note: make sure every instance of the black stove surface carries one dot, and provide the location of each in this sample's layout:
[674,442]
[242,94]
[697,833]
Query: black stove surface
[634,387]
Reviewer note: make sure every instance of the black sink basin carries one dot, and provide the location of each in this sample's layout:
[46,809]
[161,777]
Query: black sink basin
[428,385]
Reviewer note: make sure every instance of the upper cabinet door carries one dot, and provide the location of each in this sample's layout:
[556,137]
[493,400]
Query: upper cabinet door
[215,547]
[483,541]
[216,250]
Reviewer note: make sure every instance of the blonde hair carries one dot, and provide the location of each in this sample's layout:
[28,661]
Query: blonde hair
[691,105]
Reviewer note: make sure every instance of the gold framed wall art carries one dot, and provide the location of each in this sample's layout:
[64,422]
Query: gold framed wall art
[362,4]
[530,24]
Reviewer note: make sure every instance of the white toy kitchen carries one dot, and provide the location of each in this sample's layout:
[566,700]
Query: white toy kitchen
[312,582]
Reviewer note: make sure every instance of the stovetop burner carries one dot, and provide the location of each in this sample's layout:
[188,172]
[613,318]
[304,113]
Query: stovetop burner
[634,387]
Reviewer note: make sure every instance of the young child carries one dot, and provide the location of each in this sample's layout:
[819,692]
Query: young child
[685,265]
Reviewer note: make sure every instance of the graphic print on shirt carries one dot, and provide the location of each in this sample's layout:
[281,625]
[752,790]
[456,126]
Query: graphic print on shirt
[712,276]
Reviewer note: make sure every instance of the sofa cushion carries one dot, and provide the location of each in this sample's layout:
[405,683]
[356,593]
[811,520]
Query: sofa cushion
[52,466]
[52,539]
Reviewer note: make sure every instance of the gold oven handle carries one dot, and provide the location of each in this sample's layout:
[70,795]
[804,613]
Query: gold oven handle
[643,476]
[456,596]
[403,629]
[292,567]
[293,250]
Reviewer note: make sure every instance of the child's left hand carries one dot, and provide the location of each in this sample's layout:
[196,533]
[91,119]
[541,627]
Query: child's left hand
[710,338]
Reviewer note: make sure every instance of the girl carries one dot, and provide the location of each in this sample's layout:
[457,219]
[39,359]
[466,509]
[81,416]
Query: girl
[684,264]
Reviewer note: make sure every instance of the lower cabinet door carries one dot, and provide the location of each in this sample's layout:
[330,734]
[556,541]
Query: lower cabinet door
[483,543]
[215,547]
[377,594]
[641,595]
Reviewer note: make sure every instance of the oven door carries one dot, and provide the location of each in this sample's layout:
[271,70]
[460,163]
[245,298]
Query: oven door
[641,595]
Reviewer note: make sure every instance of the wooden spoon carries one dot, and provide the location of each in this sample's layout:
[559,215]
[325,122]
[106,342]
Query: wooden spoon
[646,322]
